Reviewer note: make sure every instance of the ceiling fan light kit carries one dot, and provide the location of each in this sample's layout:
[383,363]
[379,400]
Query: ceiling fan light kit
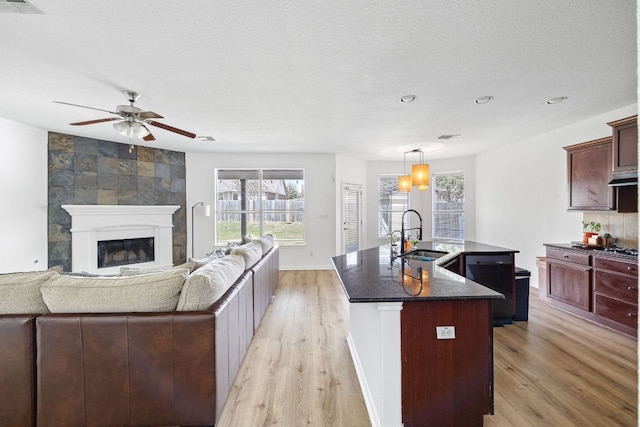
[132,120]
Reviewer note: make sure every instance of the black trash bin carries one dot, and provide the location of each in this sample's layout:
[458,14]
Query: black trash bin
[522,294]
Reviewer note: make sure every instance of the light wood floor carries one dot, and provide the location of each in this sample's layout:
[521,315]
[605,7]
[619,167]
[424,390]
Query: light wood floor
[554,370]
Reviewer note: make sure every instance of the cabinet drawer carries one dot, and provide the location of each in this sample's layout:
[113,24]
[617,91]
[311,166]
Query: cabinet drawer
[618,311]
[569,256]
[620,266]
[617,286]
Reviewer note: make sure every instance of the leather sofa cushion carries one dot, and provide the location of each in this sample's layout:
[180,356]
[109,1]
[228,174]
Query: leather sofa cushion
[141,293]
[20,292]
[204,286]
[251,252]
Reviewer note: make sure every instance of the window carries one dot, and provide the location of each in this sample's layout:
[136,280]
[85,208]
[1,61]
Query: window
[391,205]
[448,205]
[260,201]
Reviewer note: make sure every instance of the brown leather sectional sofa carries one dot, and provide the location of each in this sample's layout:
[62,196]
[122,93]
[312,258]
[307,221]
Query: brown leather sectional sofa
[131,369]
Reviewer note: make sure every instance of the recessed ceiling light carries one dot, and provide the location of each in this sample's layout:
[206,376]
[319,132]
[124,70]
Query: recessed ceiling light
[449,136]
[206,138]
[557,100]
[408,98]
[483,99]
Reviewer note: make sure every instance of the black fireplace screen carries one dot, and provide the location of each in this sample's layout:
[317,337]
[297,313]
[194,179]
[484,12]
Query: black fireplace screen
[112,253]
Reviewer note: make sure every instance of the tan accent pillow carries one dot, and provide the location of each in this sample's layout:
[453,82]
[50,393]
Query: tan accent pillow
[132,271]
[201,262]
[267,241]
[141,293]
[251,252]
[20,292]
[205,285]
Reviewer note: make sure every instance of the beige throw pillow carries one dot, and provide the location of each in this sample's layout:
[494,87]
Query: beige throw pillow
[251,252]
[199,263]
[20,292]
[205,285]
[133,271]
[267,241]
[141,293]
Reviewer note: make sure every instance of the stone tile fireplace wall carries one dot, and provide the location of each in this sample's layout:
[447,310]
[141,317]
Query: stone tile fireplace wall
[95,172]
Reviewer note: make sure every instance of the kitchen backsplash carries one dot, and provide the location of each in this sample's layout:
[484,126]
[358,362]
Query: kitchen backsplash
[621,226]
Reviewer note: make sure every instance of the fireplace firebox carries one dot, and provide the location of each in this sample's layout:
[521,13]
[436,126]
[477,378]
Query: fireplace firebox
[113,253]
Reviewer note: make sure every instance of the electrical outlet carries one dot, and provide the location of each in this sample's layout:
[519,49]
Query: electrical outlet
[446,332]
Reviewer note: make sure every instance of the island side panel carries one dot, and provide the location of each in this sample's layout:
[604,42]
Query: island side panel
[447,382]
[374,342]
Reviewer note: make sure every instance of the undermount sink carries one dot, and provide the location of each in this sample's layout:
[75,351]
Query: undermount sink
[423,254]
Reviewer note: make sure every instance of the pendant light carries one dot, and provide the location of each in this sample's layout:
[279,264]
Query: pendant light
[419,174]
[404,181]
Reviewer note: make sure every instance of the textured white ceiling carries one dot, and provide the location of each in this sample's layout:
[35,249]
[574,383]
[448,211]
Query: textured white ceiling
[321,76]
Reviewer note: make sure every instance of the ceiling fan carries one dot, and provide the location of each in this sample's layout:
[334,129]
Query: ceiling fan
[132,120]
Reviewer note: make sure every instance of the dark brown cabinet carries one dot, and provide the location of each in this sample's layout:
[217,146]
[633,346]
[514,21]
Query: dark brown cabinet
[597,287]
[616,293]
[625,161]
[588,175]
[625,145]
[569,278]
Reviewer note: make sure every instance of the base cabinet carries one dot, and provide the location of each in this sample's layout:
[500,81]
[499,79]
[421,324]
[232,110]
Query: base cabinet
[600,288]
[569,277]
[616,293]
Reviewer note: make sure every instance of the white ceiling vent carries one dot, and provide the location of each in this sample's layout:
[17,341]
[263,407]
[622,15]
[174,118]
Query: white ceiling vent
[19,6]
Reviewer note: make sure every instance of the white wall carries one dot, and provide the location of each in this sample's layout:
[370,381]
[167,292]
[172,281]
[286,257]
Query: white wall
[421,200]
[320,203]
[24,189]
[521,194]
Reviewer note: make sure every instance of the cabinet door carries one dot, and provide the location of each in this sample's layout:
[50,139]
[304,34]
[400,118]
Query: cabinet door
[570,284]
[625,145]
[588,174]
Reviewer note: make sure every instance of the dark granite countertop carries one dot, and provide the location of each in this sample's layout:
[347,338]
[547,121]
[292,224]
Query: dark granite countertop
[593,250]
[370,276]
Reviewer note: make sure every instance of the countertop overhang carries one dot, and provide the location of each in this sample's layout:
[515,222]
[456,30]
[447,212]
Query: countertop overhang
[371,275]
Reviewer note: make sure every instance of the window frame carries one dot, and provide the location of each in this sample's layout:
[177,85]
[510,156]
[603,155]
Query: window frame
[391,211]
[261,212]
[435,212]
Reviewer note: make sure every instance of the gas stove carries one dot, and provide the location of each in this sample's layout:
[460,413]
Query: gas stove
[618,250]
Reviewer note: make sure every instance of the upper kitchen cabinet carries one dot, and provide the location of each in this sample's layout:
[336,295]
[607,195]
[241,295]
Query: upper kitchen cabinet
[625,163]
[588,174]
[625,145]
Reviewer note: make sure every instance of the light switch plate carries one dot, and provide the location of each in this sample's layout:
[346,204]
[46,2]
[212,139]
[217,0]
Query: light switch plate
[446,332]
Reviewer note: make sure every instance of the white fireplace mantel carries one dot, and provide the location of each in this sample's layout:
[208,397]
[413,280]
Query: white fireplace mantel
[93,223]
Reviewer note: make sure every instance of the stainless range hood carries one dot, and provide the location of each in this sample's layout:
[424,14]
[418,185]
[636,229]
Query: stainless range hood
[623,180]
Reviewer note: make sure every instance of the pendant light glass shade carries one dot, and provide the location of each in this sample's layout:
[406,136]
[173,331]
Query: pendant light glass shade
[404,183]
[420,176]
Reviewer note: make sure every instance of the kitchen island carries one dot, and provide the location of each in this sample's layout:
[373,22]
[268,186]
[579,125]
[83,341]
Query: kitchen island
[420,336]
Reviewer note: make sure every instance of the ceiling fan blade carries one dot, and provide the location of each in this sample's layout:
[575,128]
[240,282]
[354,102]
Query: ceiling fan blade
[84,106]
[90,122]
[171,129]
[150,136]
[150,115]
